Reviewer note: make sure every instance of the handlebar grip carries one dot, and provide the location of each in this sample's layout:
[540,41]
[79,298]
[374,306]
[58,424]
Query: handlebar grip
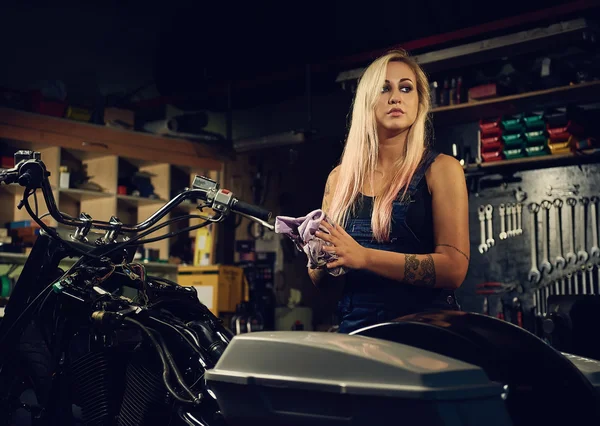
[251,210]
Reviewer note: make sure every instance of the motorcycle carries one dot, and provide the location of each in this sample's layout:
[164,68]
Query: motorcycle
[75,349]
[78,348]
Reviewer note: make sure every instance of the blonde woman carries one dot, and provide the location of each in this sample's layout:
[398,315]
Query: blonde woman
[400,208]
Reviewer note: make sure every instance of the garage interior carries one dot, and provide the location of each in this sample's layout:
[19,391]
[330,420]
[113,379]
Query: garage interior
[129,106]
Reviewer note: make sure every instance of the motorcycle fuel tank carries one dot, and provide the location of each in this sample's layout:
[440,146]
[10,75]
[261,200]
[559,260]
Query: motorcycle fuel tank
[315,378]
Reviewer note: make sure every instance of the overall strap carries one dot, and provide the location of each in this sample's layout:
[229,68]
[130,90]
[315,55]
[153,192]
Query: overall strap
[428,158]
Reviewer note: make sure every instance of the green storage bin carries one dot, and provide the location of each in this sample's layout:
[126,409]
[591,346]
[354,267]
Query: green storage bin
[534,151]
[513,141]
[513,124]
[535,138]
[509,154]
[534,122]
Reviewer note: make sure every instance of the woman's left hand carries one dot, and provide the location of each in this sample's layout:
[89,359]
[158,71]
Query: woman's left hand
[350,254]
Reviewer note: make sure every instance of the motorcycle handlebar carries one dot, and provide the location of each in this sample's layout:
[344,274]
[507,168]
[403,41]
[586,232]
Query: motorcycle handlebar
[30,172]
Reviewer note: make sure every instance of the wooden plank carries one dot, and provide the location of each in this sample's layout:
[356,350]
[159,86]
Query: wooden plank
[71,142]
[93,133]
[476,110]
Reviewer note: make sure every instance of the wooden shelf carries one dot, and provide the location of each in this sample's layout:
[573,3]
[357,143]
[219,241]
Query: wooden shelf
[533,163]
[132,201]
[83,194]
[558,96]
[52,131]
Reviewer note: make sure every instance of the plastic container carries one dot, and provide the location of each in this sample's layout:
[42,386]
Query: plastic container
[513,124]
[490,156]
[533,151]
[513,153]
[311,378]
[563,132]
[535,138]
[490,127]
[513,141]
[562,147]
[491,144]
[534,121]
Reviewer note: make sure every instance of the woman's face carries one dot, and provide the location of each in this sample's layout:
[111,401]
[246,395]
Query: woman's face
[398,103]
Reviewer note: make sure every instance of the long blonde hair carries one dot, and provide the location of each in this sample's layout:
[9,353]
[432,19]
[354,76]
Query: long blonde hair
[359,158]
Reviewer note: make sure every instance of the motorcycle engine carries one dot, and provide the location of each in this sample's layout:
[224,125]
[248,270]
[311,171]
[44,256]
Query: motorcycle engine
[117,377]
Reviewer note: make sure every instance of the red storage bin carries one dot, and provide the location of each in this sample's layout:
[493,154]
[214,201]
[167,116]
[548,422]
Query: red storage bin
[490,156]
[493,143]
[490,127]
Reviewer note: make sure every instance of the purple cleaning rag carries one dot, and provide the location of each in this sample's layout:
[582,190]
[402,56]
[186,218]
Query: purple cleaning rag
[301,231]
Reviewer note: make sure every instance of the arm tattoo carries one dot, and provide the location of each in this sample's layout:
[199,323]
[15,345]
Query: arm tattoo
[461,252]
[419,272]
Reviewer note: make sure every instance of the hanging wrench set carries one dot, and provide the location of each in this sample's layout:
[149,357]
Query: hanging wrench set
[574,267]
[511,223]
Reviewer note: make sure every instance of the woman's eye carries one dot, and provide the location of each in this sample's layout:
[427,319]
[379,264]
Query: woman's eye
[385,89]
[406,89]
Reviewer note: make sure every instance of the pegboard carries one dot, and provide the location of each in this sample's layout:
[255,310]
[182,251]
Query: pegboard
[509,260]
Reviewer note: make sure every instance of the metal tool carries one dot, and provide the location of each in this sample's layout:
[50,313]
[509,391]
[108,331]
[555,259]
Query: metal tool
[560,262]
[519,218]
[583,280]
[534,273]
[571,257]
[563,285]
[562,190]
[508,221]
[595,250]
[501,210]
[582,254]
[576,282]
[545,266]
[514,219]
[570,282]
[488,216]
[483,246]
[590,271]
[512,225]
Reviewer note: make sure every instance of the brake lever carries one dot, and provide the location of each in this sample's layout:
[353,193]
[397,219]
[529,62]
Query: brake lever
[260,221]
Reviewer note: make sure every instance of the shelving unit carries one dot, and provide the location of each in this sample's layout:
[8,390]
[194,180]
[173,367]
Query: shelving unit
[530,163]
[104,152]
[476,110]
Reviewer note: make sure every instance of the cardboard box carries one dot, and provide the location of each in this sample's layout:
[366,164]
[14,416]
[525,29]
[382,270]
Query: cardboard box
[220,287]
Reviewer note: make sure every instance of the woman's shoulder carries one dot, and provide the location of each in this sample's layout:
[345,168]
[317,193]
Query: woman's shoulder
[444,168]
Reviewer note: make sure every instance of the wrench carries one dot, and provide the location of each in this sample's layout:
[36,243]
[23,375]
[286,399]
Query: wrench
[488,216]
[563,286]
[560,261]
[590,270]
[509,224]
[595,250]
[502,235]
[514,219]
[519,219]
[546,266]
[534,274]
[582,254]
[583,279]
[571,256]
[483,246]
[570,279]
[576,283]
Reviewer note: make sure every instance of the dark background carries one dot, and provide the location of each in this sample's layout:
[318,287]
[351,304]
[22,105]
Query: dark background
[193,49]
[252,56]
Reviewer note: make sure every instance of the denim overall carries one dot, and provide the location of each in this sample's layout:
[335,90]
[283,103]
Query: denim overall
[369,298]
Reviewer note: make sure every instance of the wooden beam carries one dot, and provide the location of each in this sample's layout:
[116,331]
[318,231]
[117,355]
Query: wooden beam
[95,136]
[150,153]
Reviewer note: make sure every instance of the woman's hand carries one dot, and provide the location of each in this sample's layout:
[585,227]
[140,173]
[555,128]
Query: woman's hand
[350,254]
